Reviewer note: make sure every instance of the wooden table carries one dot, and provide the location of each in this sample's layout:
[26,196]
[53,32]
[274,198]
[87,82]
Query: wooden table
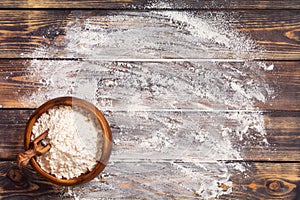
[35,34]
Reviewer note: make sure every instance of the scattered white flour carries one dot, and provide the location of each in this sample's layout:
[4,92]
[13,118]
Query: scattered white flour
[76,142]
[192,111]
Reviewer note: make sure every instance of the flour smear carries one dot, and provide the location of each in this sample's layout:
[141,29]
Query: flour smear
[188,111]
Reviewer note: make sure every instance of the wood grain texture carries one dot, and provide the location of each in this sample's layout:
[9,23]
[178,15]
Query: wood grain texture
[132,135]
[165,150]
[160,180]
[150,4]
[24,184]
[20,79]
[16,138]
[165,180]
[44,32]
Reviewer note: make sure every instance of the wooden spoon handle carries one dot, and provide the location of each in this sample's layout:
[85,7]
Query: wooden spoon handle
[38,149]
[23,158]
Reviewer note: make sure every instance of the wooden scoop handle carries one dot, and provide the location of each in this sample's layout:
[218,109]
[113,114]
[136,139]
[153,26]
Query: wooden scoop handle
[38,149]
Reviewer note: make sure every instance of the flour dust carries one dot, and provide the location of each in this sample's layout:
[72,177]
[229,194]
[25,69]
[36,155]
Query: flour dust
[191,112]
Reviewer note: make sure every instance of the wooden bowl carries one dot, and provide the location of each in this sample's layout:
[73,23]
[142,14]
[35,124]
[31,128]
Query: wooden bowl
[107,137]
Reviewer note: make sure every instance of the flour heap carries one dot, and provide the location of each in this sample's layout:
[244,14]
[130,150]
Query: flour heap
[162,109]
[76,142]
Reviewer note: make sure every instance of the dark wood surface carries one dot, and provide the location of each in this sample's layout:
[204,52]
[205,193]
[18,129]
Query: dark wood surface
[148,4]
[23,31]
[15,81]
[264,181]
[282,127]
[272,171]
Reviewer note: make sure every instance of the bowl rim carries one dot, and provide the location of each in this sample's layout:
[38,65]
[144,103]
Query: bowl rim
[107,139]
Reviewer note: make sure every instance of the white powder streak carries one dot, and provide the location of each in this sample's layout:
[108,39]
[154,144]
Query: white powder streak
[157,86]
[76,143]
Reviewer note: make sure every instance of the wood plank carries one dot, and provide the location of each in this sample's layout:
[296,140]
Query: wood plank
[24,184]
[185,181]
[206,136]
[150,34]
[13,124]
[150,4]
[190,85]
[160,180]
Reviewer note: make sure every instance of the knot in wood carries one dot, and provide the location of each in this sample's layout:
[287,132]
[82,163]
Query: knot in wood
[15,175]
[274,186]
[279,187]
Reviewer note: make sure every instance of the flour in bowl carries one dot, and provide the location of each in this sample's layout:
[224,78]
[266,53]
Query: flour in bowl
[76,141]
